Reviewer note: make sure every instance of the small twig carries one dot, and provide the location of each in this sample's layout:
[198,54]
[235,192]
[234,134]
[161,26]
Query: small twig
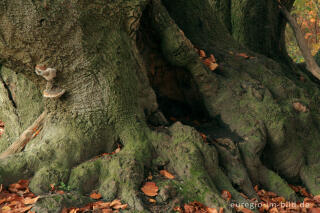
[30,133]
[312,65]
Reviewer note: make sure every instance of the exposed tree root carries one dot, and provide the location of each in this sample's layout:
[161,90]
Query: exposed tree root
[252,98]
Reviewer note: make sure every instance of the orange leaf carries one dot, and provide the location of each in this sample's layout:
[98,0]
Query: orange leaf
[150,189]
[202,53]
[274,210]
[115,202]
[167,174]
[95,196]
[52,188]
[152,200]
[60,192]
[188,208]
[221,210]
[29,200]
[314,210]
[226,195]
[213,66]
[213,59]
[244,55]
[120,206]
[317,198]
[107,210]
[212,210]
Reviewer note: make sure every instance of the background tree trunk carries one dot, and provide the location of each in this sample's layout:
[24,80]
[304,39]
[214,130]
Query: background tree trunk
[118,60]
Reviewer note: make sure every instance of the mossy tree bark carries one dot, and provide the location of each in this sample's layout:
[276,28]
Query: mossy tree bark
[103,52]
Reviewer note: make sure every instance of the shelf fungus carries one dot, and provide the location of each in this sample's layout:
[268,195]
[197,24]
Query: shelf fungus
[49,74]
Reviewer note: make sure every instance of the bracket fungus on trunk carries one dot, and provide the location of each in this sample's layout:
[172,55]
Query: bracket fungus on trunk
[49,74]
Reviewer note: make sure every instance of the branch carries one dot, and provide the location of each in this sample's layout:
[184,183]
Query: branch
[30,133]
[312,65]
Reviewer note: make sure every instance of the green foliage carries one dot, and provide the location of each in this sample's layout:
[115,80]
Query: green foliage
[64,187]
[308,18]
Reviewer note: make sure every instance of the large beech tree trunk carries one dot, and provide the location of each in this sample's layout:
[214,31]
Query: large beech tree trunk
[117,60]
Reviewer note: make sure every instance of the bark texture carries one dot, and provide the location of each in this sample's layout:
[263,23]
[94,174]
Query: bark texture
[113,59]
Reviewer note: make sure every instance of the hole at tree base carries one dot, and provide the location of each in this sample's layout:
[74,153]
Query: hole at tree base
[177,93]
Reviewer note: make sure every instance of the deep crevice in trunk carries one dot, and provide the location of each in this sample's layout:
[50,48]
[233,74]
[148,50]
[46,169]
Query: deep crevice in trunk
[10,96]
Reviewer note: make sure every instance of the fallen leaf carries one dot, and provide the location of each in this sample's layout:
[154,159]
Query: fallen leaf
[177,209]
[212,210]
[188,208]
[202,53]
[29,200]
[314,210]
[221,210]
[152,200]
[167,174]
[52,188]
[115,202]
[60,192]
[213,59]
[273,210]
[150,189]
[213,66]
[244,55]
[317,198]
[95,196]
[300,108]
[107,210]
[226,195]
[120,206]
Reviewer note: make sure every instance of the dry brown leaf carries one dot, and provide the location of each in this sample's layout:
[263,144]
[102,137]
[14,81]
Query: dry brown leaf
[304,192]
[188,208]
[279,200]
[2,201]
[314,210]
[150,189]
[120,206]
[274,210]
[1,187]
[107,210]
[52,188]
[115,202]
[221,210]
[226,195]
[95,196]
[244,55]
[202,53]
[300,108]
[102,204]
[256,188]
[60,192]
[317,198]
[213,59]
[213,66]
[245,210]
[152,200]
[29,200]
[167,174]
[212,210]
[177,209]
[264,207]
